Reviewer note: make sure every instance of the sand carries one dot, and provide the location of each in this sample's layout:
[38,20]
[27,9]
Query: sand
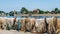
[13,32]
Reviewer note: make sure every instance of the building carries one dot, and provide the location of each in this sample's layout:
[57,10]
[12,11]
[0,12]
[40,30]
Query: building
[35,11]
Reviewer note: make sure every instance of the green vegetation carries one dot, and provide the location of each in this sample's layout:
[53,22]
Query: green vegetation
[2,12]
[36,11]
[12,13]
[24,11]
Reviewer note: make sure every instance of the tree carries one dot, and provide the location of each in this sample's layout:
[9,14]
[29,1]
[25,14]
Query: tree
[47,12]
[12,13]
[40,11]
[56,10]
[2,12]
[24,10]
[7,14]
[30,12]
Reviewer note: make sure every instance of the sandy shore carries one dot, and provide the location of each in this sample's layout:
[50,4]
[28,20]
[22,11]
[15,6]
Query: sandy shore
[12,32]
[15,32]
[38,15]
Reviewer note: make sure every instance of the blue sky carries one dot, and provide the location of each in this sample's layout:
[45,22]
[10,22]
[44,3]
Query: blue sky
[9,5]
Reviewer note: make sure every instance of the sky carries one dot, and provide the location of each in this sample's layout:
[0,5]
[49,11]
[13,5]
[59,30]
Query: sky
[10,5]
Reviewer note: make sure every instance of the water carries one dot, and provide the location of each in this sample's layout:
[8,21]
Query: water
[30,17]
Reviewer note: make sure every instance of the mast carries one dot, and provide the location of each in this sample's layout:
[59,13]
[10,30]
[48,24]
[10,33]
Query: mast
[14,13]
